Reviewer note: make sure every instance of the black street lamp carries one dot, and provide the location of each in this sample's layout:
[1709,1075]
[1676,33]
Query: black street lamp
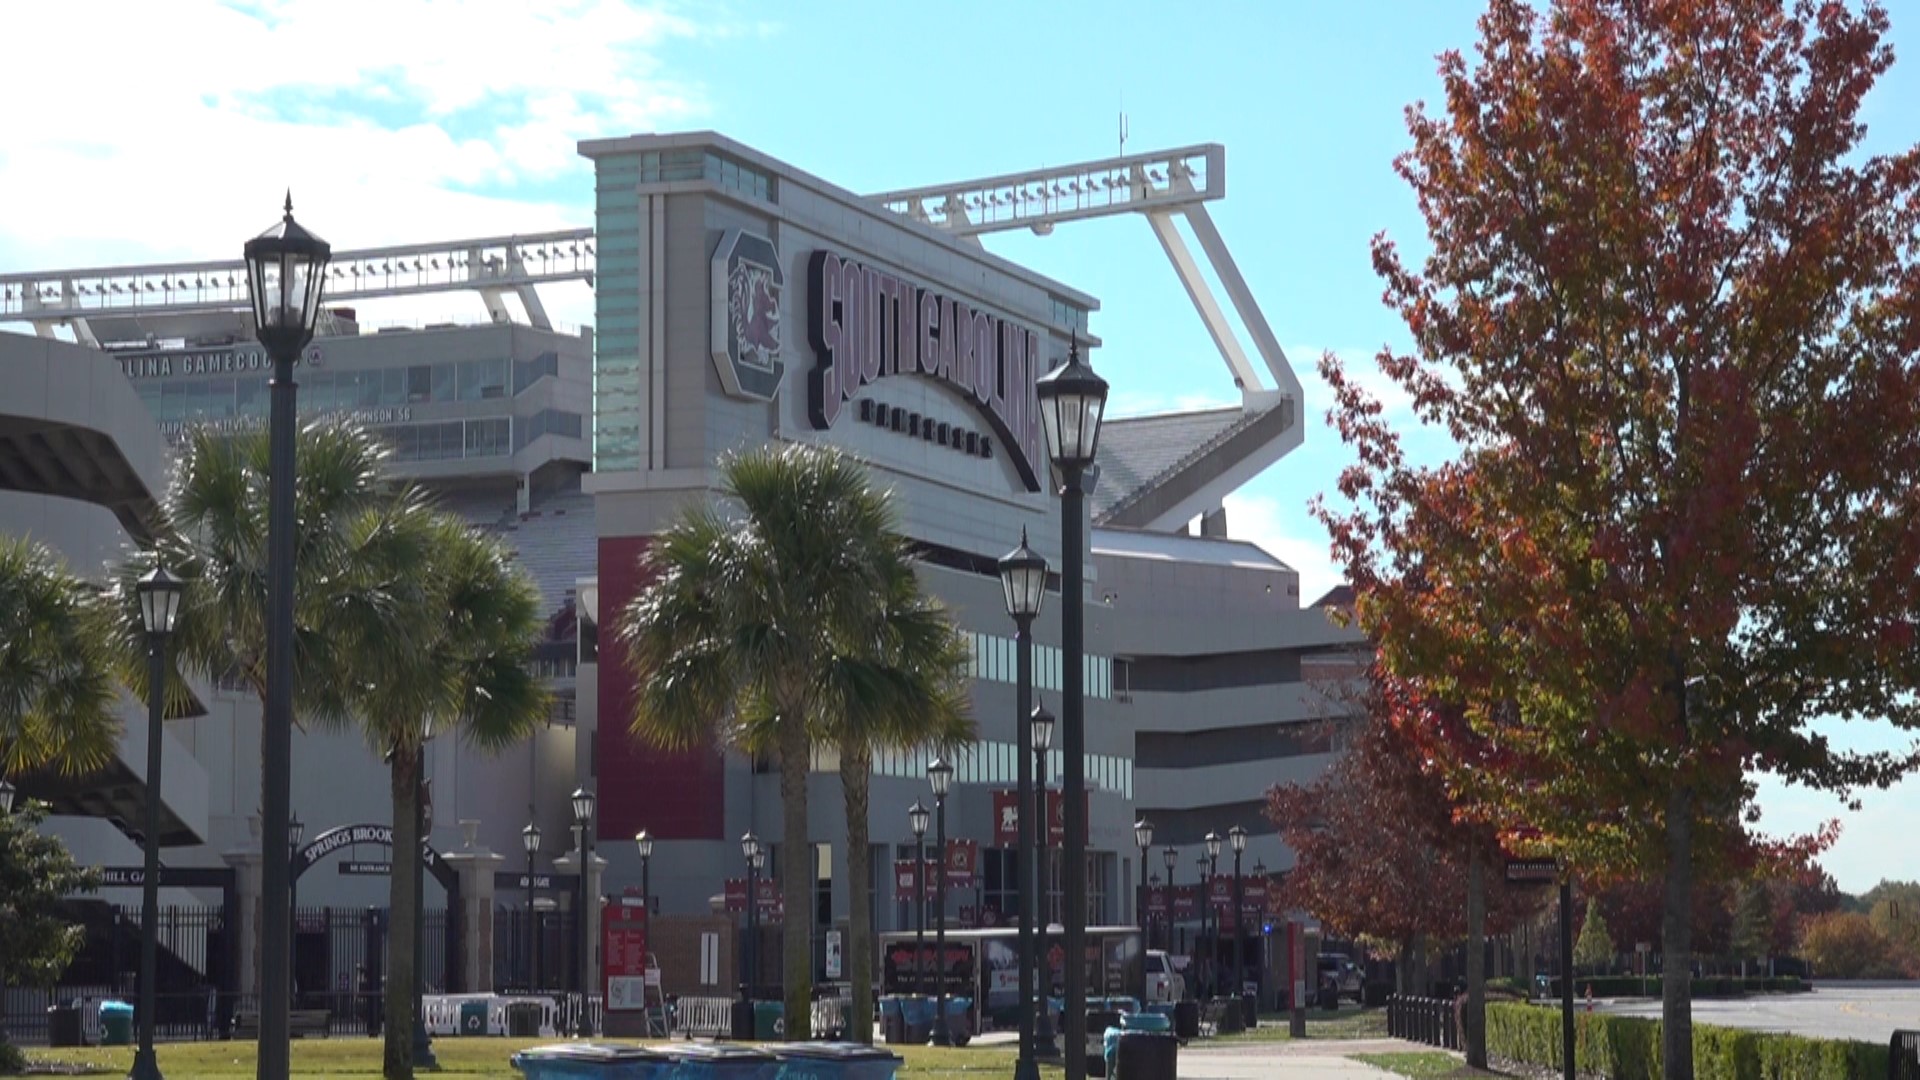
[1237,839]
[1143,838]
[286,274]
[1171,857]
[1213,871]
[1023,578]
[1072,401]
[750,850]
[159,607]
[6,810]
[530,840]
[643,843]
[1206,901]
[423,1057]
[1040,734]
[296,832]
[583,800]
[917,818]
[940,775]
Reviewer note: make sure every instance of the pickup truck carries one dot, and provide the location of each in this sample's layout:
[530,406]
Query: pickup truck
[1164,985]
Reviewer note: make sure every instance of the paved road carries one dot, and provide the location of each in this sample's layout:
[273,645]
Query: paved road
[1869,1012]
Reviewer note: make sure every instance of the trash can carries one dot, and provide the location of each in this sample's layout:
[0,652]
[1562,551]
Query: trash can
[473,1018]
[836,1061]
[1099,1023]
[1146,1021]
[917,1015]
[769,1020]
[523,1020]
[893,1024]
[63,1025]
[741,1021]
[1249,1010]
[718,1061]
[1145,1055]
[1903,1055]
[116,1023]
[604,1061]
[959,1020]
[1186,1019]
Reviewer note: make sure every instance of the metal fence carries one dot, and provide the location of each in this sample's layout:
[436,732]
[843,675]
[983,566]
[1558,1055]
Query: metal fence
[1426,1020]
[339,967]
[534,952]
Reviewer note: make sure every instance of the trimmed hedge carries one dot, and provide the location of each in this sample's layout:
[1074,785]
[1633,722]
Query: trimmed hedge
[1628,1048]
[1634,986]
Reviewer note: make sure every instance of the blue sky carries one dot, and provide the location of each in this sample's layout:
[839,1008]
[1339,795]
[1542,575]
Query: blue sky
[400,121]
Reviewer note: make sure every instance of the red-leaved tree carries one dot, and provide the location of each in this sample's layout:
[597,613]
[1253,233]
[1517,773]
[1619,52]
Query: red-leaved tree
[1670,314]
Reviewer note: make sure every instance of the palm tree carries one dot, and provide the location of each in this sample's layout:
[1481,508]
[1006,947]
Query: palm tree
[785,621]
[466,622]
[58,695]
[909,692]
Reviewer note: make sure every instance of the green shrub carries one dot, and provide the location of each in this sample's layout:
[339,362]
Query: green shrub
[1628,1048]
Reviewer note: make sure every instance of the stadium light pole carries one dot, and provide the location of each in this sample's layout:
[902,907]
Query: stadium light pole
[1237,839]
[286,274]
[940,776]
[530,840]
[159,606]
[583,801]
[1143,839]
[1023,579]
[917,818]
[1072,402]
[1040,728]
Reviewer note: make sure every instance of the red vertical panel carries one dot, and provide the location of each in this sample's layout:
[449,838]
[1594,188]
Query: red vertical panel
[674,796]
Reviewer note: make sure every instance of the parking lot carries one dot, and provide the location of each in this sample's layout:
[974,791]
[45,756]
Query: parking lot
[1869,1012]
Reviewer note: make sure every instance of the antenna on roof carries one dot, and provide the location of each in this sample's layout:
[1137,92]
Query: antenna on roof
[1123,125]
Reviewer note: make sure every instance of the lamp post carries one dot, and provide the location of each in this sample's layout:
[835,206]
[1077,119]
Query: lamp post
[530,840]
[1206,901]
[750,850]
[1237,839]
[1171,857]
[1213,871]
[940,775]
[286,274]
[1072,401]
[6,810]
[1143,838]
[1023,579]
[296,832]
[423,1057]
[1040,733]
[643,843]
[583,801]
[159,606]
[917,818]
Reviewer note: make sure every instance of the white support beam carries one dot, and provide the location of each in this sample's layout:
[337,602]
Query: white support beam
[1201,294]
[1254,319]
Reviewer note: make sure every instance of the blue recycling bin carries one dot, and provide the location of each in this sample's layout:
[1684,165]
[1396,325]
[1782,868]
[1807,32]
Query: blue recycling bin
[836,1061]
[1146,1021]
[769,1020]
[720,1061]
[893,1021]
[116,1023]
[600,1061]
[959,1020]
[917,1012]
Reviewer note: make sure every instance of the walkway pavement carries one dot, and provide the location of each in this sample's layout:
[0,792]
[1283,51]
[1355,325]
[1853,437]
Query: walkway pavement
[1316,1059]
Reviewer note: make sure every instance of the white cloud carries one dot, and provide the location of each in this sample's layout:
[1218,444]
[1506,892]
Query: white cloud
[392,120]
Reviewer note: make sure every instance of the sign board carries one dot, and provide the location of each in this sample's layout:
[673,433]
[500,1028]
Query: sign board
[1532,871]
[623,938]
[1006,818]
[903,879]
[507,879]
[833,954]
[963,861]
[772,910]
[367,869]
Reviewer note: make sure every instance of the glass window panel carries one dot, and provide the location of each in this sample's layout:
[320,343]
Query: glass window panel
[419,384]
[443,382]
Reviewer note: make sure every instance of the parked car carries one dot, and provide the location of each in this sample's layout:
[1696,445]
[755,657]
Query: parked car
[1340,974]
[1164,984]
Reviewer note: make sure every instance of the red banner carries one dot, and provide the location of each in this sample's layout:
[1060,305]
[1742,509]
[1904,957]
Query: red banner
[623,945]
[1157,901]
[963,863]
[1006,818]
[903,879]
[772,909]
[1186,901]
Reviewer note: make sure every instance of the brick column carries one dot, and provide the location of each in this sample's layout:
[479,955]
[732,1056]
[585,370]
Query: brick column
[475,865]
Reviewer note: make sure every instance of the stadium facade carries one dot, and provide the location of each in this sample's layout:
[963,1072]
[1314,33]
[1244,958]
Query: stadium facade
[737,300]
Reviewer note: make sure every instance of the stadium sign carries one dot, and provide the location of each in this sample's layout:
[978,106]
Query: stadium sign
[866,325]
[236,360]
[745,321]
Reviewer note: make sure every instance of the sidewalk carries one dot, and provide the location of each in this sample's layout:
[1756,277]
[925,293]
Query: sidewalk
[1317,1059]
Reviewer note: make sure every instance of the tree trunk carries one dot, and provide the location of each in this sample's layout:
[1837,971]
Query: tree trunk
[797,880]
[1474,1022]
[1403,968]
[856,762]
[1676,1003]
[403,888]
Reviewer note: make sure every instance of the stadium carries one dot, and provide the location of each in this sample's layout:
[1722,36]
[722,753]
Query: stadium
[737,299]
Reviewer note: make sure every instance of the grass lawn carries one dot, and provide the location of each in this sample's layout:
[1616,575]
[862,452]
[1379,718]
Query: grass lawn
[1349,1023]
[360,1057]
[1420,1063]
